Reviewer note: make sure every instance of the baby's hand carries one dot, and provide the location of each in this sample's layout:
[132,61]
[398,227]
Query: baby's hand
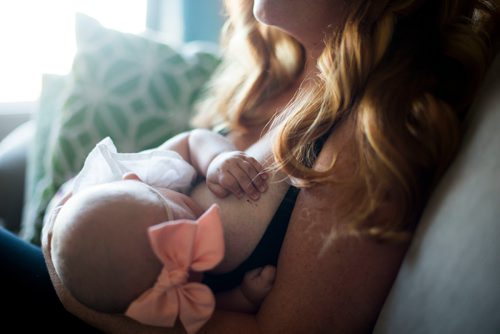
[237,173]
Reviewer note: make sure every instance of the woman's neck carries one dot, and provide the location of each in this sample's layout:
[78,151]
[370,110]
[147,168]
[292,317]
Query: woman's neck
[276,104]
[311,60]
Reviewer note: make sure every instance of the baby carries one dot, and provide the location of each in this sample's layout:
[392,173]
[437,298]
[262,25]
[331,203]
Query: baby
[128,240]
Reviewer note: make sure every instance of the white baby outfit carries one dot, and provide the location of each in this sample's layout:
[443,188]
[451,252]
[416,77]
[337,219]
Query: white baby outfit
[156,167]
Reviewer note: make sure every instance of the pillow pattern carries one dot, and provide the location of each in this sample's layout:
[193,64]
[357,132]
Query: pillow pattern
[134,89]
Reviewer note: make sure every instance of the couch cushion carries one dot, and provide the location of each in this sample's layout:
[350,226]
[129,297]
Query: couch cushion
[450,279]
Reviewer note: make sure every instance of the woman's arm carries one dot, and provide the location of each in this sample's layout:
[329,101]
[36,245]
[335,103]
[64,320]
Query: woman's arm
[323,285]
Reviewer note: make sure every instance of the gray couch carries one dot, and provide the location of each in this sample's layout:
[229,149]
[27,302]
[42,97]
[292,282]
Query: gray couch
[450,279]
[449,282]
[13,152]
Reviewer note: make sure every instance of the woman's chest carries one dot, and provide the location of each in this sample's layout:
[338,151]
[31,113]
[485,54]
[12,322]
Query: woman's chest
[243,139]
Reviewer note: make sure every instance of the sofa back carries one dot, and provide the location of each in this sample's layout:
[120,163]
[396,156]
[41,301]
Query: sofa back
[450,279]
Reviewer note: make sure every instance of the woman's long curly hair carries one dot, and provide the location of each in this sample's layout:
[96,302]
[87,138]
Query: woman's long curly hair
[405,71]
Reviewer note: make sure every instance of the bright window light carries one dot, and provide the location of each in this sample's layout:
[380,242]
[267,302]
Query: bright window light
[38,37]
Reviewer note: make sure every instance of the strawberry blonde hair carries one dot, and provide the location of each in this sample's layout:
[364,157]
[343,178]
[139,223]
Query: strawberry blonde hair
[405,72]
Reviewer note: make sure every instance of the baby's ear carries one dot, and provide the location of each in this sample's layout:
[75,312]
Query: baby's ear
[131,176]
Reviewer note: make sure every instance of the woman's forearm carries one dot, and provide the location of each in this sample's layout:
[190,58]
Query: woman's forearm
[226,322]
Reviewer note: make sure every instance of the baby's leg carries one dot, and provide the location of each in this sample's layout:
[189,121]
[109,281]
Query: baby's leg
[251,293]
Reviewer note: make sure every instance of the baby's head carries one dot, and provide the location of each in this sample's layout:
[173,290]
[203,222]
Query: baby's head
[100,246]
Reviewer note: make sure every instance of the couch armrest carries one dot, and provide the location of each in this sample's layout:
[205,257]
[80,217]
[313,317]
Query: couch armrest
[13,153]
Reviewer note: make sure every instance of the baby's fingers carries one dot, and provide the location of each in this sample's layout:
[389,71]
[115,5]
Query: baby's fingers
[230,183]
[217,190]
[258,167]
[245,174]
[254,171]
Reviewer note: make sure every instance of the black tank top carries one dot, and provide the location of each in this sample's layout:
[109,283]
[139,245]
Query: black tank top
[267,250]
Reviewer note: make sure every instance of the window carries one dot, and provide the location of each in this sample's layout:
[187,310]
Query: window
[38,37]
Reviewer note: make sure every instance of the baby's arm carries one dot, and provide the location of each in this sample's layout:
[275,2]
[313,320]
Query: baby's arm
[199,147]
[215,157]
[250,294]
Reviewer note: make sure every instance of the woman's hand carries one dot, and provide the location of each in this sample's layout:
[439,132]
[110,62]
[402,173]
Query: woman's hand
[237,173]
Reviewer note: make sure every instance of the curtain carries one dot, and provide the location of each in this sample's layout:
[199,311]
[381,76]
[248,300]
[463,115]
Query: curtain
[189,20]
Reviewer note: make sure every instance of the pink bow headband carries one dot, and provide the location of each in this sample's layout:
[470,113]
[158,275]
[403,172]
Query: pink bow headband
[183,246]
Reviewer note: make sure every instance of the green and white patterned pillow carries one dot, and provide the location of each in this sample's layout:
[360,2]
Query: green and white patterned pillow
[134,89]
[39,187]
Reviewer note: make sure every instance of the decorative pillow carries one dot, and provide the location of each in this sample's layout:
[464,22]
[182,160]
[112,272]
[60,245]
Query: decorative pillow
[134,89]
[39,187]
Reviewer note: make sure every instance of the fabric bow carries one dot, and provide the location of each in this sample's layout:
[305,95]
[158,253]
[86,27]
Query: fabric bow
[182,246]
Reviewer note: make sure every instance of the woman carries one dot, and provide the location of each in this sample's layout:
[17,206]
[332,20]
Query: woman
[381,85]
